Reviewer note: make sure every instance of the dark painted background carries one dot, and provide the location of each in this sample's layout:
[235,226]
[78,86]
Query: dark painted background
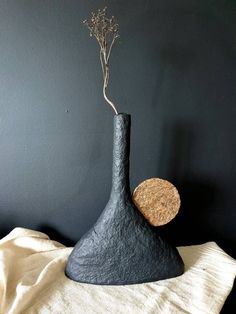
[174,71]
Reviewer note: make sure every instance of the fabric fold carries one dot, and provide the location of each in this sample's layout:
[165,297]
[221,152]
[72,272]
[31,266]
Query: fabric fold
[32,280]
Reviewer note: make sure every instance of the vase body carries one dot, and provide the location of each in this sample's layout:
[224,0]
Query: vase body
[122,248]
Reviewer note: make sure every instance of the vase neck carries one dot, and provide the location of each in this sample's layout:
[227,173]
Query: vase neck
[121,149]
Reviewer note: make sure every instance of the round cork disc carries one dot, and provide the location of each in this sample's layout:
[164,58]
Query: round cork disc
[158,200]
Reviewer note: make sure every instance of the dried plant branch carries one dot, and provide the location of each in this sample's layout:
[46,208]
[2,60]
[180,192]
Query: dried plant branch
[105,30]
[102,65]
[112,43]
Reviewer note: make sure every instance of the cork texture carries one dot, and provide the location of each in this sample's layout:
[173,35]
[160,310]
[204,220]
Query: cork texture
[158,200]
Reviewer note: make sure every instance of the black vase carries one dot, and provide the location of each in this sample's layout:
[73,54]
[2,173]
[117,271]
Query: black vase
[122,248]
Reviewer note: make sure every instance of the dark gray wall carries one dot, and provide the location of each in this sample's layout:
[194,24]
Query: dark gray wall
[173,70]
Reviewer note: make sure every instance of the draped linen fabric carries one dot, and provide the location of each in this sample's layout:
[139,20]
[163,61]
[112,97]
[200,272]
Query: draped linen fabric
[32,280]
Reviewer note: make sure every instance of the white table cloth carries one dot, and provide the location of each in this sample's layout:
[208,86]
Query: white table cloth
[32,280]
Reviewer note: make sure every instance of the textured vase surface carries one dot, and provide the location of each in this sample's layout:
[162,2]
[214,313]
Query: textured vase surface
[122,248]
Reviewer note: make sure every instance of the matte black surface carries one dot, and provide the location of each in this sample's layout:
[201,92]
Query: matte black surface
[121,248]
[174,70]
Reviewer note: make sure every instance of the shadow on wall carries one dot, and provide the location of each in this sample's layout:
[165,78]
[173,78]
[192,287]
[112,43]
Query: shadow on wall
[52,232]
[198,194]
[55,235]
[8,225]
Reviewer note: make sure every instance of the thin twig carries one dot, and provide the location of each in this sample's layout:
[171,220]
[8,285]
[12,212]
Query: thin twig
[109,52]
[101,60]
[108,100]
[105,30]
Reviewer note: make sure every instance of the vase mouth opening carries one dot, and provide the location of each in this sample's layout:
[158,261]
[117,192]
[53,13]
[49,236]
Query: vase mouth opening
[122,114]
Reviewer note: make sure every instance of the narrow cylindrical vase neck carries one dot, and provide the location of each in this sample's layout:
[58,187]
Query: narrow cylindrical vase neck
[121,150]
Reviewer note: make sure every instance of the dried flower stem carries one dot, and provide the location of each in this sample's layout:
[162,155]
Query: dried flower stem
[105,30]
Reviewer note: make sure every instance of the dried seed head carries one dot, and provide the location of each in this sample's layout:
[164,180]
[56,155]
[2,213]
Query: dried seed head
[104,29]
